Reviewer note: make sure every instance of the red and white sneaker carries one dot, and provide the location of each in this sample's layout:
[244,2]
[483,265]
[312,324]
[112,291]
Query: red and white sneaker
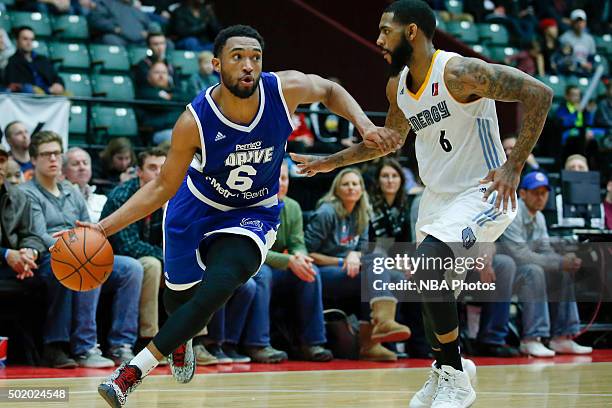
[120,384]
[183,362]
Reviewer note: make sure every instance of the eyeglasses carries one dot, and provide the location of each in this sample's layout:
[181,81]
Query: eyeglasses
[47,155]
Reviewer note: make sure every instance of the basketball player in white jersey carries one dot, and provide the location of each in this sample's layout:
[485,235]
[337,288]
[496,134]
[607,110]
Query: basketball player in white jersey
[470,195]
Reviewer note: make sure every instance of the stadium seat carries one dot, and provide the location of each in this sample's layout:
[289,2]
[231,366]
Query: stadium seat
[77,126]
[463,31]
[72,28]
[495,34]
[112,121]
[556,83]
[109,58]
[137,53]
[604,44]
[454,6]
[77,84]
[482,50]
[39,22]
[70,56]
[186,62]
[7,2]
[499,54]
[40,47]
[113,86]
[5,21]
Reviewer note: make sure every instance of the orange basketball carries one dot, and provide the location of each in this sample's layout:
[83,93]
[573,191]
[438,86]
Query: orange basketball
[82,259]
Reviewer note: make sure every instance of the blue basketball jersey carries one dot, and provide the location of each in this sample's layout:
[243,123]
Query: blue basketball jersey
[239,165]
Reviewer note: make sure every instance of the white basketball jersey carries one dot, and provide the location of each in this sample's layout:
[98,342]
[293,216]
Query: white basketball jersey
[456,143]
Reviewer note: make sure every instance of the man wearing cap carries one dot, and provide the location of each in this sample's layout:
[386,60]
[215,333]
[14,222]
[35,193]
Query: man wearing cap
[582,43]
[540,268]
[20,248]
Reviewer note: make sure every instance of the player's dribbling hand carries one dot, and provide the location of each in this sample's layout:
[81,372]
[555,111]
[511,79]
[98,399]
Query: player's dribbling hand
[83,224]
[505,181]
[309,165]
[384,139]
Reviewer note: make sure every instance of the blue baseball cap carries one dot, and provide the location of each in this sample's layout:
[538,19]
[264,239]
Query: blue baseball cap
[534,180]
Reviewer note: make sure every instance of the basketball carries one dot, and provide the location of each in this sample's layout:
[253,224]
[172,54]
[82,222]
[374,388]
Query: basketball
[82,259]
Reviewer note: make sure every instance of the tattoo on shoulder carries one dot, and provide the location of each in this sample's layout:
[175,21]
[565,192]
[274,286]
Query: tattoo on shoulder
[476,77]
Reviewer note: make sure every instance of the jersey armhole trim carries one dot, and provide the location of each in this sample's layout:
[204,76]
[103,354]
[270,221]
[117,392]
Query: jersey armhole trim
[201,132]
[282,97]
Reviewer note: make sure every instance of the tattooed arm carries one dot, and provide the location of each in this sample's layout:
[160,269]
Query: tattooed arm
[395,122]
[468,79]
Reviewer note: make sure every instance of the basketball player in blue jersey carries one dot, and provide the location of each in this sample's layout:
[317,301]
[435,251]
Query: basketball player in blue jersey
[220,181]
[449,102]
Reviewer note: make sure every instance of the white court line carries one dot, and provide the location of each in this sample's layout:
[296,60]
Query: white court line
[299,391]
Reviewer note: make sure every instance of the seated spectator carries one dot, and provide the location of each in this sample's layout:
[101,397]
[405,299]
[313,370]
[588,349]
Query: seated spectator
[582,43]
[549,43]
[119,22]
[14,175]
[521,23]
[575,162]
[335,235]
[332,132]
[115,165]
[159,88]
[18,138]
[71,316]
[603,117]
[194,26]
[288,273]
[157,43]
[206,76]
[20,247]
[301,139]
[529,60]
[540,268]
[531,164]
[6,50]
[45,6]
[607,204]
[565,62]
[77,170]
[29,72]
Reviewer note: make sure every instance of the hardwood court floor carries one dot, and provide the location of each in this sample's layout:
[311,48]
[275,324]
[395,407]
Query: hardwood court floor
[499,386]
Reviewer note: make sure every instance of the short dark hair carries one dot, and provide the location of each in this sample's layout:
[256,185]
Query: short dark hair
[570,87]
[19,29]
[42,137]
[152,152]
[238,30]
[414,11]
[154,34]
[8,127]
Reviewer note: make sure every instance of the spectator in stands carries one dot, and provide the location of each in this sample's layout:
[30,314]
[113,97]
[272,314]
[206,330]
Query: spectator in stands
[76,167]
[582,43]
[335,236]
[607,204]
[549,43]
[288,273]
[332,132]
[143,239]
[115,165]
[71,316]
[14,175]
[195,25]
[20,247]
[565,62]
[45,6]
[206,76]
[157,43]
[29,72]
[119,22]
[158,88]
[18,138]
[530,165]
[529,60]
[575,162]
[521,23]
[603,117]
[6,50]
[539,267]
[301,139]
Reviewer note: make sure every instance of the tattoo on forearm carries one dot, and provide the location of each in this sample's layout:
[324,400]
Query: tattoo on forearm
[397,120]
[355,154]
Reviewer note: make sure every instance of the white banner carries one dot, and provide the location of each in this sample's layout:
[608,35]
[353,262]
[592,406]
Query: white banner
[52,112]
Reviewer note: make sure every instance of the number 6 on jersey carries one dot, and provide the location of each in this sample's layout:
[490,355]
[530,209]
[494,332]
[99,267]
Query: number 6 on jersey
[445,143]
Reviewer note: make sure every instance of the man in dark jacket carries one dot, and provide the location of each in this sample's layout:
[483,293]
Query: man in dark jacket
[195,25]
[29,72]
[118,22]
[20,248]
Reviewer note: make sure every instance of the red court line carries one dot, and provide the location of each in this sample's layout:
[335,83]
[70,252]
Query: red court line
[21,372]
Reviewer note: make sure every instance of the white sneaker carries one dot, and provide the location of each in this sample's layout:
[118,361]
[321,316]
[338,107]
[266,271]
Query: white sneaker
[567,346]
[535,348]
[424,397]
[454,389]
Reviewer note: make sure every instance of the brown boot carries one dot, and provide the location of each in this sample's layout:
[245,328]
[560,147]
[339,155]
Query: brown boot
[386,329]
[369,350]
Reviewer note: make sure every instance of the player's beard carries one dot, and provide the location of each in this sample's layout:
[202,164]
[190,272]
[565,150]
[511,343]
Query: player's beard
[239,92]
[400,56]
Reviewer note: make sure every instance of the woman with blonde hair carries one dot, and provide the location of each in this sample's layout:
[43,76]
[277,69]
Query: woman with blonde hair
[334,236]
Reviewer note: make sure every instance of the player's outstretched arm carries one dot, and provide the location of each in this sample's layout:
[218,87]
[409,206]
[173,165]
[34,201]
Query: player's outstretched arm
[467,78]
[153,195]
[395,122]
